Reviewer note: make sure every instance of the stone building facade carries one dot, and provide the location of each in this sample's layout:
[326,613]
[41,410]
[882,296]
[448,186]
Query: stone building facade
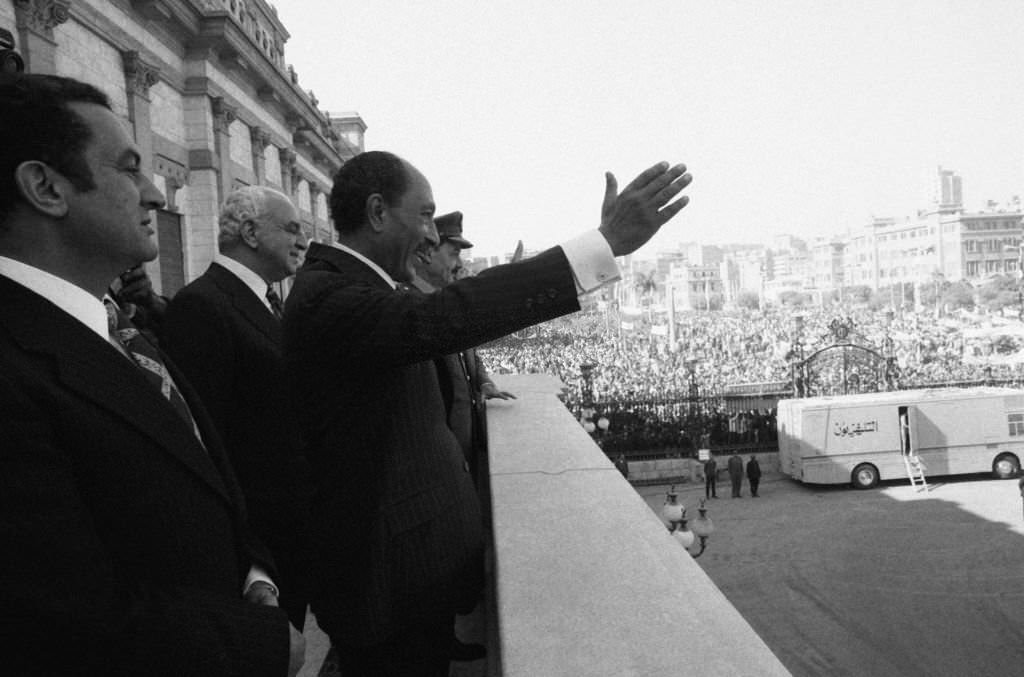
[213,105]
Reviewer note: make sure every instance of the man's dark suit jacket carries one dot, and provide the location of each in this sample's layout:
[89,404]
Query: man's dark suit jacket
[398,527]
[228,343]
[124,541]
[460,379]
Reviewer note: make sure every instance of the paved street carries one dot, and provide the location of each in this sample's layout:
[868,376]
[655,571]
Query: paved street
[880,582]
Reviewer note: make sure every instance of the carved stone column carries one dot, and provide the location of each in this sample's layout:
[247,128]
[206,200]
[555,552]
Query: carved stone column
[139,76]
[223,115]
[36,20]
[318,226]
[260,140]
[288,171]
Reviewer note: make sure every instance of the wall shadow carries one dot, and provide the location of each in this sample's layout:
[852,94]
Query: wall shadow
[887,581]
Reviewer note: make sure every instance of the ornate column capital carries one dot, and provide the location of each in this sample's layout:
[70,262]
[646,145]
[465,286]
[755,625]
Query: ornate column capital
[260,139]
[223,113]
[40,16]
[288,158]
[138,74]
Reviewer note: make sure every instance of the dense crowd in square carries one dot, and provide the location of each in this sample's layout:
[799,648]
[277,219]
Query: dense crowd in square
[656,395]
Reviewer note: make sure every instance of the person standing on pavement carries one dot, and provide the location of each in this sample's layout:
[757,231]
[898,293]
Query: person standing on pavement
[710,478]
[753,475]
[736,475]
[1020,485]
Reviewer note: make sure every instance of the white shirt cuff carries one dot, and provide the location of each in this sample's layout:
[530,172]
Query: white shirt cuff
[592,262]
[257,574]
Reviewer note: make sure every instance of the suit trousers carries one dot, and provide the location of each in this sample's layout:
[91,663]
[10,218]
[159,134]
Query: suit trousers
[422,652]
[710,486]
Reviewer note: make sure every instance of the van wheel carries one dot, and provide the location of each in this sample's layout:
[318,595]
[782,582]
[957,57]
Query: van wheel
[1005,466]
[865,476]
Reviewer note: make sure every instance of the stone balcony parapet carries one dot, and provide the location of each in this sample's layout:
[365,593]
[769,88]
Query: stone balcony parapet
[587,580]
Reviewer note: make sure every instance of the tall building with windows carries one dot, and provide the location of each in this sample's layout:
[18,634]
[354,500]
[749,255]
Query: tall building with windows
[949,194]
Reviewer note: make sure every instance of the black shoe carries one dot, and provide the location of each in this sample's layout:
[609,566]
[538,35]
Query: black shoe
[462,652]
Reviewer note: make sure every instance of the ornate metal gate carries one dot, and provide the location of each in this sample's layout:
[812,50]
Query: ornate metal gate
[844,361]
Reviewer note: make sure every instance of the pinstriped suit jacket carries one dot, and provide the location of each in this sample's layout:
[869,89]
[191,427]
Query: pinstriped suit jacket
[124,542]
[397,520]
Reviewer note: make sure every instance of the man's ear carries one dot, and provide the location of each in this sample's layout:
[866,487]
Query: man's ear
[42,187]
[247,233]
[375,208]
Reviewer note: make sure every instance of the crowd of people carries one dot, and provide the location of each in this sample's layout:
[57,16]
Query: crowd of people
[656,395]
[182,478]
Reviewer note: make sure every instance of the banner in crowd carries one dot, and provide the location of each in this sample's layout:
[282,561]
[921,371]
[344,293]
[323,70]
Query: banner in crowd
[993,345]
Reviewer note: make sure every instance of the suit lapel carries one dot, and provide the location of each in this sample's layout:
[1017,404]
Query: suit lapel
[246,303]
[91,367]
[354,270]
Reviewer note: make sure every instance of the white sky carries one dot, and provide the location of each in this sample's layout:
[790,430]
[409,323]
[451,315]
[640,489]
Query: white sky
[794,116]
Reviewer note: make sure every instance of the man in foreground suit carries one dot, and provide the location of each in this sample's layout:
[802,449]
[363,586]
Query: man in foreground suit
[224,332]
[125,545]
[397,521]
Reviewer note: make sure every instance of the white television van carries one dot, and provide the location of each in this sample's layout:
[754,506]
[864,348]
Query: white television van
[865,438]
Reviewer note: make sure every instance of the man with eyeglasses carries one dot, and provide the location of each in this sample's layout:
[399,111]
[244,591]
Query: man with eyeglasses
[223,330]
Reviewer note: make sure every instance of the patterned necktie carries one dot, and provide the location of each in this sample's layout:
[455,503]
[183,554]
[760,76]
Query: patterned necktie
[147,357]
[275,302]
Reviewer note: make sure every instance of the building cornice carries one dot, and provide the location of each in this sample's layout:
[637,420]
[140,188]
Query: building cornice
[207,31]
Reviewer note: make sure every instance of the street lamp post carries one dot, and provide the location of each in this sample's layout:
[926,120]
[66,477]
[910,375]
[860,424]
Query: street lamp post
[797,357]
[674,513]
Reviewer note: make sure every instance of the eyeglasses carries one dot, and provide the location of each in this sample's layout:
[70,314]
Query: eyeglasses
[293,228]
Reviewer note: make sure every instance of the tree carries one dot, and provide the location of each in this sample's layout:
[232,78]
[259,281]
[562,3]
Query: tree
[857,294]
[998,292]
[958,295]
[880,299]
[646,285]
[895,295]
[794,299]
[748,299]
[932,292]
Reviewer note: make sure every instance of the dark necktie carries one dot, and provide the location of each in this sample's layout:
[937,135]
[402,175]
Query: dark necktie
[275,302]
[147,357]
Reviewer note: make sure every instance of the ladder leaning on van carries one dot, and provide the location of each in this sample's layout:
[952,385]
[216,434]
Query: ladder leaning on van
[912,462]
[915,471]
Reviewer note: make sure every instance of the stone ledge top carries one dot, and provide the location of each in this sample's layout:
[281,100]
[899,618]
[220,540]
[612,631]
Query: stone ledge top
[588,581]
